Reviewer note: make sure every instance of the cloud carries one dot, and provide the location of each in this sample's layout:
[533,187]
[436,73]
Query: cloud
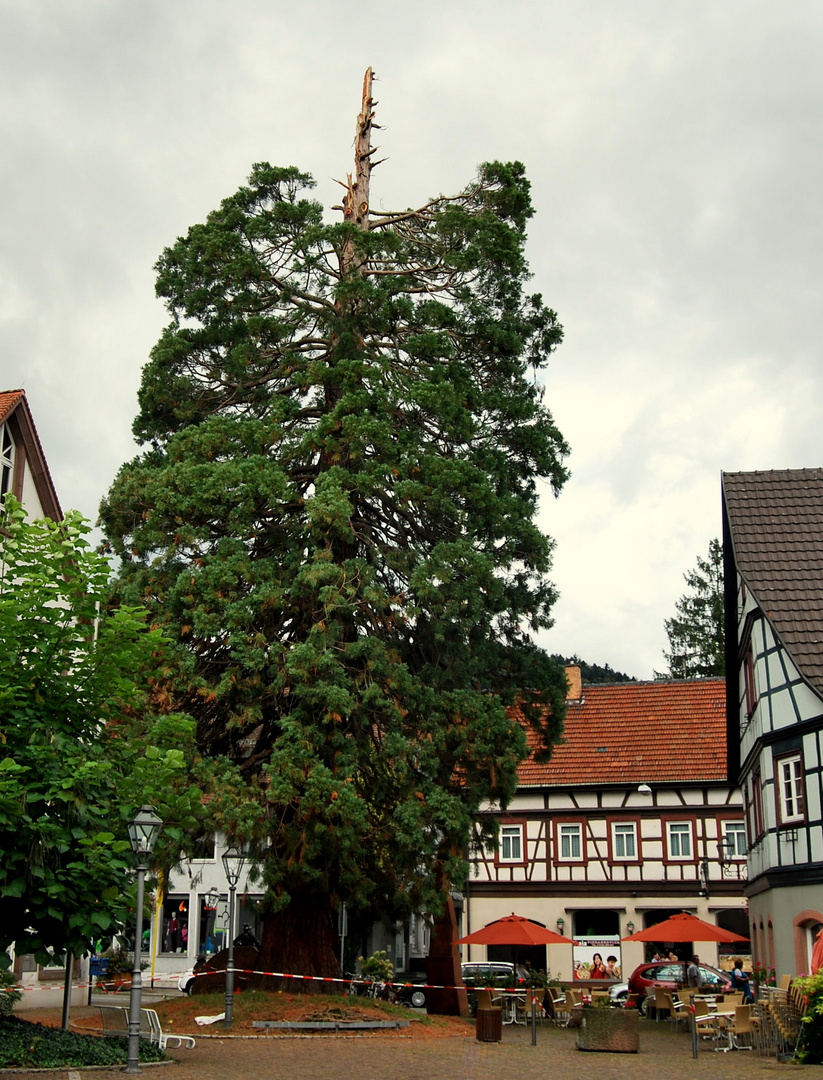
[676,169]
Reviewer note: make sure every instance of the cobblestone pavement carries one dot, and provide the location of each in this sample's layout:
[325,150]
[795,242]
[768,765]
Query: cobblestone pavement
[664,1055]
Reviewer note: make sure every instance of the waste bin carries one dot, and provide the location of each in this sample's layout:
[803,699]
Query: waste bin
[489,1025]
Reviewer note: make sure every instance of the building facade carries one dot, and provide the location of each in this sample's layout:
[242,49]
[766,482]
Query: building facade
[773,552]
[631,820]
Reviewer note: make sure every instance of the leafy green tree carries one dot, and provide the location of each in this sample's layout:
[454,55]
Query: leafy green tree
[334,512]
[75,761]
[696,632]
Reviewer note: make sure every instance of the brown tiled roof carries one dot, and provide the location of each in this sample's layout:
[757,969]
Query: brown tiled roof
[776,524]
[635,733]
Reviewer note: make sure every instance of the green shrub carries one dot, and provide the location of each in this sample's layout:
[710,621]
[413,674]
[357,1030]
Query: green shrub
[8,993]
[377,967]
[24,1045]
[811,1039]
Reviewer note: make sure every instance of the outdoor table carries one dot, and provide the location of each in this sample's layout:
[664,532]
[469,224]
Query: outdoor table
[728,1028]
[510,1000]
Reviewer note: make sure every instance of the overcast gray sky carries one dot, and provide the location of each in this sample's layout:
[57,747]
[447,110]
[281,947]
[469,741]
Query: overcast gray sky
[676,160]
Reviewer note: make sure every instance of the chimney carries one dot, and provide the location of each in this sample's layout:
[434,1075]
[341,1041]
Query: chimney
[574,683]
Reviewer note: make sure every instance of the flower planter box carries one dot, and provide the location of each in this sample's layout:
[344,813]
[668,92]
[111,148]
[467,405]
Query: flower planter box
[612,1031]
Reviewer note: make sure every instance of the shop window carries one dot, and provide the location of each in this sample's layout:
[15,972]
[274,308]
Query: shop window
[175,925]
[213,926]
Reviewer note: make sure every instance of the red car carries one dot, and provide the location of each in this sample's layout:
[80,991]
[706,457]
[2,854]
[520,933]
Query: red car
[671,975]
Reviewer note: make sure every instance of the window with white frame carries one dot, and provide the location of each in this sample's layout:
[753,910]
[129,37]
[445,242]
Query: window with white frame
[734,840]
[790,794]
[570,842]
[679,835]
[511,843]
[624,840]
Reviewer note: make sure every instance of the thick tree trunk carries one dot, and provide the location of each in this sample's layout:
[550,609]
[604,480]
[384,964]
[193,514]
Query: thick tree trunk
[301,940]
[443,961]
[443,968]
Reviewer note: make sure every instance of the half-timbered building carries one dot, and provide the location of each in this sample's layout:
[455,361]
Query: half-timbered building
[773,552]
[632,819]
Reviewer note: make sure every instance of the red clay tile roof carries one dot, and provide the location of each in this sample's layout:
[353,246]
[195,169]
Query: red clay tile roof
[635,733]
[8,401]
[776,524]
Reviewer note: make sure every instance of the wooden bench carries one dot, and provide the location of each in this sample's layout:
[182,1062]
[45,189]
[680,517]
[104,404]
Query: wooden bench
[115,1020]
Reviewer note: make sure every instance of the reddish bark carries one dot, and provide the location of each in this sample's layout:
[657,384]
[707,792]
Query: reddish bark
[443,968]
[300,940]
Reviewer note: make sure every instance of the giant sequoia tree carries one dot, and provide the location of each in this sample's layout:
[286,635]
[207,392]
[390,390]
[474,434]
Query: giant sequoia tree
[334,512]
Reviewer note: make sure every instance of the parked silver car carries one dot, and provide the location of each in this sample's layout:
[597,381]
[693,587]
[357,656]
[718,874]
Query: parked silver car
[497,972]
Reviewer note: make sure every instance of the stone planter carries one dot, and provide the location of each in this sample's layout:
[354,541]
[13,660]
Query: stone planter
[609,1030]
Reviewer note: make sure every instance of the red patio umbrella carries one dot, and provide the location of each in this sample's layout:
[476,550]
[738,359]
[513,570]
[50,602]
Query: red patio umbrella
[684,927]
[514,930]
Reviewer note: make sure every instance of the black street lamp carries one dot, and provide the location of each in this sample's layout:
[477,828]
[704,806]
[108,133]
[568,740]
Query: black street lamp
[233,860]
[144,829]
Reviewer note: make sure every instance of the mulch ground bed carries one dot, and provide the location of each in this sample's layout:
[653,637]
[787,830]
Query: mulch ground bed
[177,1015]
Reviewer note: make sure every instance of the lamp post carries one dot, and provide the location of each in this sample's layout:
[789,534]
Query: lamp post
[233,860]
[144,829]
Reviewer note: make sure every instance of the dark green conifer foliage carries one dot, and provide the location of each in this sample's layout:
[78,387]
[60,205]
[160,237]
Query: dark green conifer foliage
[334,512]
[696,633]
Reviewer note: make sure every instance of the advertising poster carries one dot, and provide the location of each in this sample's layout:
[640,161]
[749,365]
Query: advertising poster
[597,958]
